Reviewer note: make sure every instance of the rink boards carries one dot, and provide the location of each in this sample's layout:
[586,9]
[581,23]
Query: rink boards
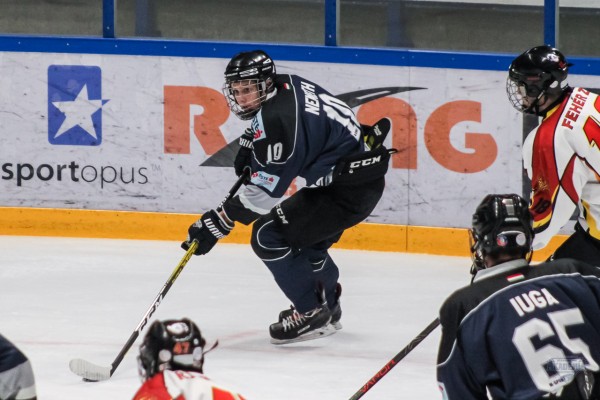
[172,226]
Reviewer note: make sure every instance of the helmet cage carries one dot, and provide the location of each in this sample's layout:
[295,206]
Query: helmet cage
[173,345]
[527,92]
[253,70]
[258,87]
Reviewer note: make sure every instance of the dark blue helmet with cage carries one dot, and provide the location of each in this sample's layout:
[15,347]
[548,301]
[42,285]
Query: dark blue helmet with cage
[252,72]
[502,225]
[175,344]
[536,77]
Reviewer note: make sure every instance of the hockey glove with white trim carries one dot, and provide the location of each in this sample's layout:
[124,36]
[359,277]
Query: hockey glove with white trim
[243,159]
[207,231]
[375,135]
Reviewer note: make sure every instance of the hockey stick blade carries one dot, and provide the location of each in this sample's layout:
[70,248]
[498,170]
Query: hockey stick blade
[88,371]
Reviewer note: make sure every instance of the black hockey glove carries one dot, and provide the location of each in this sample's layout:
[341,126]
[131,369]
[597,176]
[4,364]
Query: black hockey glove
[375,135]
[243,158]
[207,231]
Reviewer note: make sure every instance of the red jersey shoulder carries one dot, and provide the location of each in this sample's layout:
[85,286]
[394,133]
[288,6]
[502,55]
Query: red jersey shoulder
[544,139]
[153,389]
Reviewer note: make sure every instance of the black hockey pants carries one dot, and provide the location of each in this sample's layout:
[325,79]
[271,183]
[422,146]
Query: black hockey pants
[580,246]
[293,240]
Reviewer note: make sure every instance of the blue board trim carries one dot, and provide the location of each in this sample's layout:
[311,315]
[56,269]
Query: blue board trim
[288,52]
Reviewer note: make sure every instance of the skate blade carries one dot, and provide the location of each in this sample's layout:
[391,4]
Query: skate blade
[337,325]
[316,334]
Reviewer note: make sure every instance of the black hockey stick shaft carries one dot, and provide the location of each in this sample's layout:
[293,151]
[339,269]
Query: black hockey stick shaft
[397,358]
[154,306]
[241,180]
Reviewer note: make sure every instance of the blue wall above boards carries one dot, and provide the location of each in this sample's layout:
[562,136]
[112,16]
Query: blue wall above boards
[288,52]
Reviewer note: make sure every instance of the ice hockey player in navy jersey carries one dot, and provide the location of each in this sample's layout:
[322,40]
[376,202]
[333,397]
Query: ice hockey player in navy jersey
[16,375]
[171,362]
[519,331]
[297,129]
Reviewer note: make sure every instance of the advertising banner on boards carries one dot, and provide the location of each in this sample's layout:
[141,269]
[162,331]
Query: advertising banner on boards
[155,134]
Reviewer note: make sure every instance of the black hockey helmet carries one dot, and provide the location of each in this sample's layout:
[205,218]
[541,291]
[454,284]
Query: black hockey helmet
[175,344]
[502,224]
[537,75]
[256,70]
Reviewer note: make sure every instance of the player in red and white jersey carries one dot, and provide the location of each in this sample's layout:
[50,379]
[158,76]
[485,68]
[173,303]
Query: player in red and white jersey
[561,155]
[170,364]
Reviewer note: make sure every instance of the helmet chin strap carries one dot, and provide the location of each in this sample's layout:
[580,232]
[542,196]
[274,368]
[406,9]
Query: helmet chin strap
[534,108]
[550,100]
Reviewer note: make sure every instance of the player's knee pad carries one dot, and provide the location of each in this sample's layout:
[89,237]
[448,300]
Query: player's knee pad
[267,240]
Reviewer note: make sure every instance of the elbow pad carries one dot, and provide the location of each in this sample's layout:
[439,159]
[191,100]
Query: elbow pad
[235,211]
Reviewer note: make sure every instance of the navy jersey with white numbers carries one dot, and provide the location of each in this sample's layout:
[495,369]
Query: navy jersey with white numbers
[300,131]
[520,331]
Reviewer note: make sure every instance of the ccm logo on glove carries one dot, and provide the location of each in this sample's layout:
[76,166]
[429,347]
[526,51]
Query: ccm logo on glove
[365,163]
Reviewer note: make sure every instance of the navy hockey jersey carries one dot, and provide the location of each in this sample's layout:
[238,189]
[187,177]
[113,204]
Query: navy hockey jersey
[520,331]
[300,131]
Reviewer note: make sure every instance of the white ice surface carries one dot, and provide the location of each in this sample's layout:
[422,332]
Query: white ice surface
[65,298]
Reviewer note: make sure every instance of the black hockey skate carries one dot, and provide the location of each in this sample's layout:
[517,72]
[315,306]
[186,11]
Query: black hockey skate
[297,327]
[336,311]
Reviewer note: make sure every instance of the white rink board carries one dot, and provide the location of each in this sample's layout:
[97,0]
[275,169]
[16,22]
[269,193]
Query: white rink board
[46,162]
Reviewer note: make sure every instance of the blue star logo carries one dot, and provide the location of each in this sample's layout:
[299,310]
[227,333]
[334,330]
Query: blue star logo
[75,105]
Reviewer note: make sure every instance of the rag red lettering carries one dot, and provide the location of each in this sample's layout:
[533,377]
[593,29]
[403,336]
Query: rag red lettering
[206,128]
[437,138]
[206,125]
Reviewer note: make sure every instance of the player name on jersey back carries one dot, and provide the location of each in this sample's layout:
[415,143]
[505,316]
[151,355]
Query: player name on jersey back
[527,302]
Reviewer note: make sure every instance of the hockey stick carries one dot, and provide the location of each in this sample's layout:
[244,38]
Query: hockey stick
[392,363]
[91,372]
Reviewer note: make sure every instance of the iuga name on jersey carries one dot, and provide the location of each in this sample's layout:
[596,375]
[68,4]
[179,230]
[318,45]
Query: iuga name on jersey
[528,302]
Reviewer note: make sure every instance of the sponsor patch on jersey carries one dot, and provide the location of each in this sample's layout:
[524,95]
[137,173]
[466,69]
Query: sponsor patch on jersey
[264,180]
[515,277]
[258,128]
